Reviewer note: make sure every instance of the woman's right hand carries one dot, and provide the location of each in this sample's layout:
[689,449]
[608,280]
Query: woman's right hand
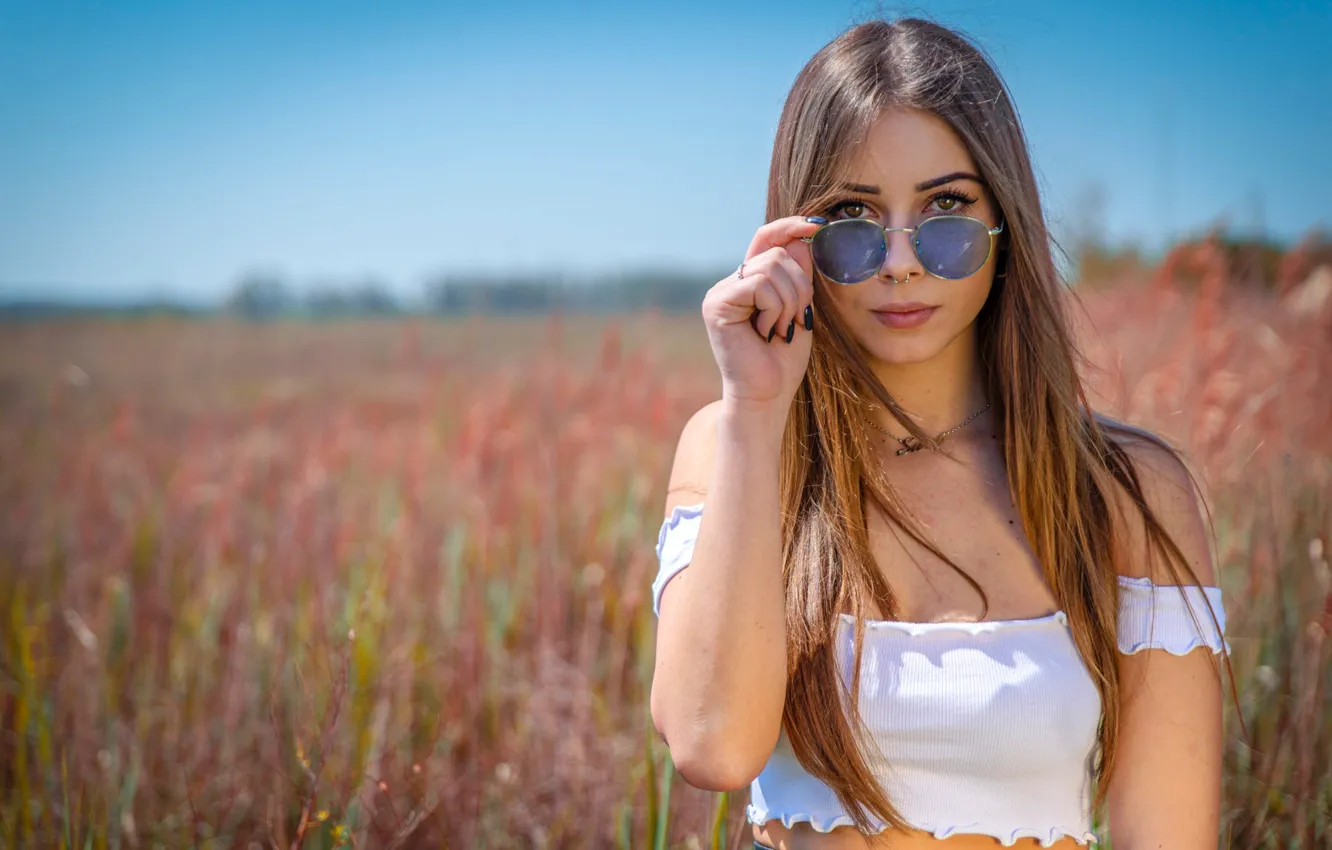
[748,317]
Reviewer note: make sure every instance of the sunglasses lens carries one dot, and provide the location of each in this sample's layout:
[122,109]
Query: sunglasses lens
[952,247]
[849,251]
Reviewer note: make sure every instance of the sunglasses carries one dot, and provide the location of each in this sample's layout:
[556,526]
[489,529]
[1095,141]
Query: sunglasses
[852,250]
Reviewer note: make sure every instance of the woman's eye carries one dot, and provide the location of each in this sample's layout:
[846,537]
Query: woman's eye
[952,202]
[835,209]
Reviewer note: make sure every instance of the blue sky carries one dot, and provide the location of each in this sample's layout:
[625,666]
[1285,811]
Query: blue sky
[165,148]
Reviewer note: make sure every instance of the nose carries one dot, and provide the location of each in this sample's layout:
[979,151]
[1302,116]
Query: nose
[901,260]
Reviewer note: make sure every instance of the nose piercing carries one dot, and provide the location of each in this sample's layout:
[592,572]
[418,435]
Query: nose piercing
[905,279]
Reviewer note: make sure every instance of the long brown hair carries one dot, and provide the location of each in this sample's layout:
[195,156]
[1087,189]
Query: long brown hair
[1063,460]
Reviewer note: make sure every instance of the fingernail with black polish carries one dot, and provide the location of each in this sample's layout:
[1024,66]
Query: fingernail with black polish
[816,219]
[790,331]
[809,317]
[773,331]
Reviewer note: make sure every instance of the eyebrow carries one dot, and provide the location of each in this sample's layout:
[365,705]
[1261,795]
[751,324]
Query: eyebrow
[865,189]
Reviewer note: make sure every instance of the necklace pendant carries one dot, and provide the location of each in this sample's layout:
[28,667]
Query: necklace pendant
[909,445]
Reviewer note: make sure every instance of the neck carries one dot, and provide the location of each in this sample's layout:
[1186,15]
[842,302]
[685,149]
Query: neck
[937,393]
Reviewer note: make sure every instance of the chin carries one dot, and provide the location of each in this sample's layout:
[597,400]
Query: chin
[903,347]
[903,350]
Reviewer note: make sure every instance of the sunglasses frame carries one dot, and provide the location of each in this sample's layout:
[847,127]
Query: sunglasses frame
[915,242]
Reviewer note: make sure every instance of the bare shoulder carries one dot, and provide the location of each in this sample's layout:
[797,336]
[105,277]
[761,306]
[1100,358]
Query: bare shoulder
[1170,491]
[694,457]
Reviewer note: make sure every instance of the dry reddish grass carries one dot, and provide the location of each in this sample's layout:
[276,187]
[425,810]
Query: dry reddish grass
[387,584]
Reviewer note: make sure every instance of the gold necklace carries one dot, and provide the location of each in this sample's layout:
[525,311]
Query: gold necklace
[911,444]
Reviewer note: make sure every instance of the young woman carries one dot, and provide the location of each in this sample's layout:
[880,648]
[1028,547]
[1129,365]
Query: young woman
[934,600]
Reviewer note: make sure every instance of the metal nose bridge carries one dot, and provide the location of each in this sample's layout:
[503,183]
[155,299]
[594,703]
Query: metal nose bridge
[911,230]
[887,254]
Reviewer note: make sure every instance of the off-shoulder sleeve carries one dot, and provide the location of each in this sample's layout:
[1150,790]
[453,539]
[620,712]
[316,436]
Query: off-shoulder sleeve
[675,547]
[1155,616]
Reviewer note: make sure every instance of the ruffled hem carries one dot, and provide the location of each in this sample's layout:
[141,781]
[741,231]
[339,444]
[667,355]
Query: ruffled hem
[1047,838]
[1156,616]
[1176,648]
[678,557]
[973,627]
[1146,582]
[679,513]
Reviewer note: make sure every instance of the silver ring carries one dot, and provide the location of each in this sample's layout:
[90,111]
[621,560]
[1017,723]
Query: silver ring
[740,272]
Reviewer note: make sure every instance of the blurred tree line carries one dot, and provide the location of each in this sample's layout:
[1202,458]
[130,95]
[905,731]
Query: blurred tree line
[263,295]
[1244,262]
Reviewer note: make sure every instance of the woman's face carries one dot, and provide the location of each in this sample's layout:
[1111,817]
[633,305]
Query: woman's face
[897,183]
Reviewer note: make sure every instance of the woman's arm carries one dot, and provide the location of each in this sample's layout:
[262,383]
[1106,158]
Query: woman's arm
[719,686]
[1165,791]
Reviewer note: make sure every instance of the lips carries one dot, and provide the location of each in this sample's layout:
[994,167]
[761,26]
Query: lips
[904,307]
[904,315]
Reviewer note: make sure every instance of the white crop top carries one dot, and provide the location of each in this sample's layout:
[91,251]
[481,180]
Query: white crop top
[983,727]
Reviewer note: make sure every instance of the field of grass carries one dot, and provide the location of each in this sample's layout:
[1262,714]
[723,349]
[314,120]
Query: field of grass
[387,584]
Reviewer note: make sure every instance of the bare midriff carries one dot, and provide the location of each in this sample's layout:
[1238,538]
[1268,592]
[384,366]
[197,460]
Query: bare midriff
[805,837]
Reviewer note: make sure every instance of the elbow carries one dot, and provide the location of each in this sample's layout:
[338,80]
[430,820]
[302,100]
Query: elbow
[710,761]
[713,771]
